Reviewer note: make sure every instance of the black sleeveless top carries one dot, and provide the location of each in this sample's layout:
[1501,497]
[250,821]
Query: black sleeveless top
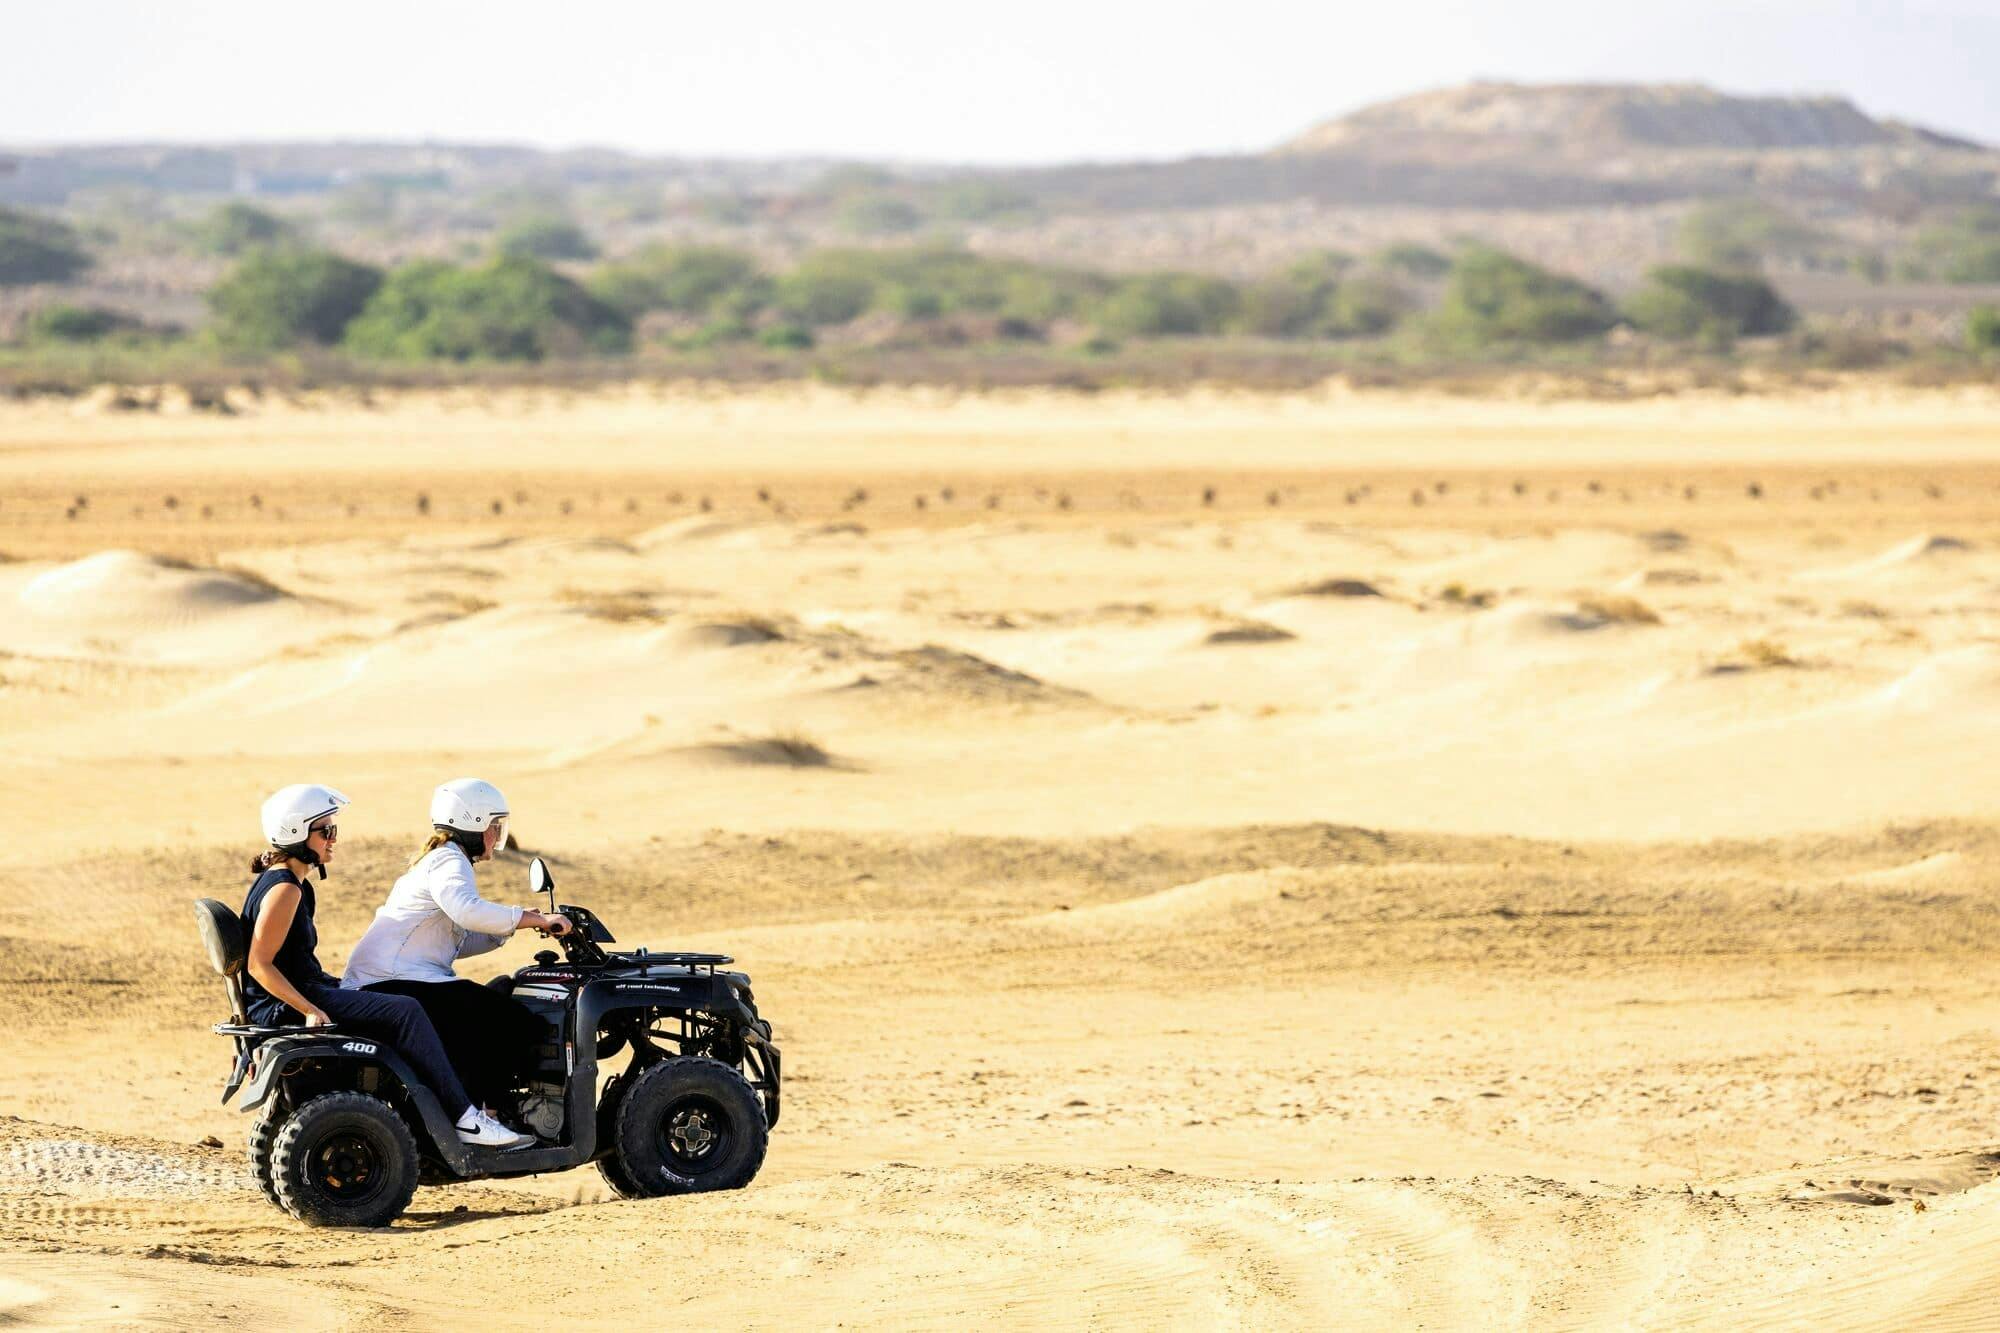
[295,958]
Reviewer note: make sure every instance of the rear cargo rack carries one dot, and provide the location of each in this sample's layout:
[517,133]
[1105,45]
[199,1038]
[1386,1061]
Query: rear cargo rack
[710,961]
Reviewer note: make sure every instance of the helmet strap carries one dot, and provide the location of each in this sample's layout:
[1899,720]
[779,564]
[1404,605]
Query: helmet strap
[302,851]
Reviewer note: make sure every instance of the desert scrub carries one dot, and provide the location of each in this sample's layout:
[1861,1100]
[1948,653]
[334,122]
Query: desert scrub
[798,748]
[1249,631]
[457,604]
[1619,611]
[1760,655]
[617,607]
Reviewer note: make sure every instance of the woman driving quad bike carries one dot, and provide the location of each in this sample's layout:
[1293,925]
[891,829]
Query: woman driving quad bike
[435,916]
[285,984]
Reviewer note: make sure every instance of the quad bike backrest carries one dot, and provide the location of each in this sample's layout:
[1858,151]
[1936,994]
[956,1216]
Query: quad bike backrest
[222,935]
[228,948]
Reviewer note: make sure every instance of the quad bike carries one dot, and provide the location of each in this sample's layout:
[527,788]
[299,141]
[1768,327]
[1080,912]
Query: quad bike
[346,1132]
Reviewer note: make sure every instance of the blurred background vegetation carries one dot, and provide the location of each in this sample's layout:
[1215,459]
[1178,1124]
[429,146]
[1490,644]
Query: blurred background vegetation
[1342,250]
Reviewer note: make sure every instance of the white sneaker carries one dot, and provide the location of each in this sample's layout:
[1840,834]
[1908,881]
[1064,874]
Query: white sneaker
[478,1128]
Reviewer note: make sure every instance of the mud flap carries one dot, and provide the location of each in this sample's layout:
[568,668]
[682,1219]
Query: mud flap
[239,1073]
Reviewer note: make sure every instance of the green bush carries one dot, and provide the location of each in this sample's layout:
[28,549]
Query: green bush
[37,249]
[1982,328]
[1687,303]
[688,279]
[236,227]
[834,286]
[828,287]
[1276,308]
[717,332]
[547,238]
[1493,297]
[786,338]
[1039,295]
[1965,249]
[1413,260]
[1169,305]
[282,298]
[513,308]
[1319,297]
[1365,305]
[77,324]
[1293,302]
[1742,234]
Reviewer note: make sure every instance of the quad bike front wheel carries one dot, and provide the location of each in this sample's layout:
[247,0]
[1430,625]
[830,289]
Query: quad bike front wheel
[611,1166]
[344,1159]
[688,1126]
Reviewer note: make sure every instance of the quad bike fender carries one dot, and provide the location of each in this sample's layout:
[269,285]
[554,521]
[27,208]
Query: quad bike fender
[769,1080]
[272,1059]
[726,994]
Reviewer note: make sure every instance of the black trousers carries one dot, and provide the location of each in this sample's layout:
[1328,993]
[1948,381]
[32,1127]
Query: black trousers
[489,1036]
[402,1024]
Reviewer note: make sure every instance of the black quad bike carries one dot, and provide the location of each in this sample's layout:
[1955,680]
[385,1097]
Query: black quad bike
[346,1132]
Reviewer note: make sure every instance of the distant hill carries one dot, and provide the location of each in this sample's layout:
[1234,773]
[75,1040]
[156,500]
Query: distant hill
[1562,146]
[1600,115]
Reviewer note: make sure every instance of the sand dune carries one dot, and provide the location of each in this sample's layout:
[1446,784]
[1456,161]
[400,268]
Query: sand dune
[123,604]
[1964,678]
[1916,557]
[1564,902]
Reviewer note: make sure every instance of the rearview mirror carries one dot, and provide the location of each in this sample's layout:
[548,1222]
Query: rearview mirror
[539,879]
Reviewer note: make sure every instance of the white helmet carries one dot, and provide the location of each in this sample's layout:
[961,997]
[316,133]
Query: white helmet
[470,805]
[290,811]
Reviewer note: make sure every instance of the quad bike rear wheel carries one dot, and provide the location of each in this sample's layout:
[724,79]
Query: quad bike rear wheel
[263,1136]
[687,1126]
[344,1159]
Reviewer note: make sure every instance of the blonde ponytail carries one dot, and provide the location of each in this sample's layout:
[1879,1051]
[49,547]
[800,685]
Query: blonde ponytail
[438,839]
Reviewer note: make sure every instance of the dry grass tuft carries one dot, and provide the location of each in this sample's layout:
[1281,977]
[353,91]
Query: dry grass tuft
[457,604]
[798,748]
[1336,588]
[1250,631]
[632,604]
[790,748]
[1457,594]
[734,631]
[1767,653]
[1619,611]
[1756,655]
[254,579]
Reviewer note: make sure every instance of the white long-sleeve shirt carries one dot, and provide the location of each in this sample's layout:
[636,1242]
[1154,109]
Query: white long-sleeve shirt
[434,915]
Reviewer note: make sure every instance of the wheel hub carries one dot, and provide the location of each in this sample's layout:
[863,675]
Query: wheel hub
[691,1133]
[345,1166]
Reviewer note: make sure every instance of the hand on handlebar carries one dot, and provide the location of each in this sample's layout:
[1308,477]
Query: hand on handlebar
[557,924]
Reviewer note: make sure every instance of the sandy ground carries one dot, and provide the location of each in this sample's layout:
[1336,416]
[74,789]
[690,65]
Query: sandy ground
[1326,860]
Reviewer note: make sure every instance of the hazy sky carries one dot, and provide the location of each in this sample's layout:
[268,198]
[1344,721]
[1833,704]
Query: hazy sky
[1026,81]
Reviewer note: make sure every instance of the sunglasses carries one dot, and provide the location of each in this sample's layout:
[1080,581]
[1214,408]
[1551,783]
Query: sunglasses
[330,832]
